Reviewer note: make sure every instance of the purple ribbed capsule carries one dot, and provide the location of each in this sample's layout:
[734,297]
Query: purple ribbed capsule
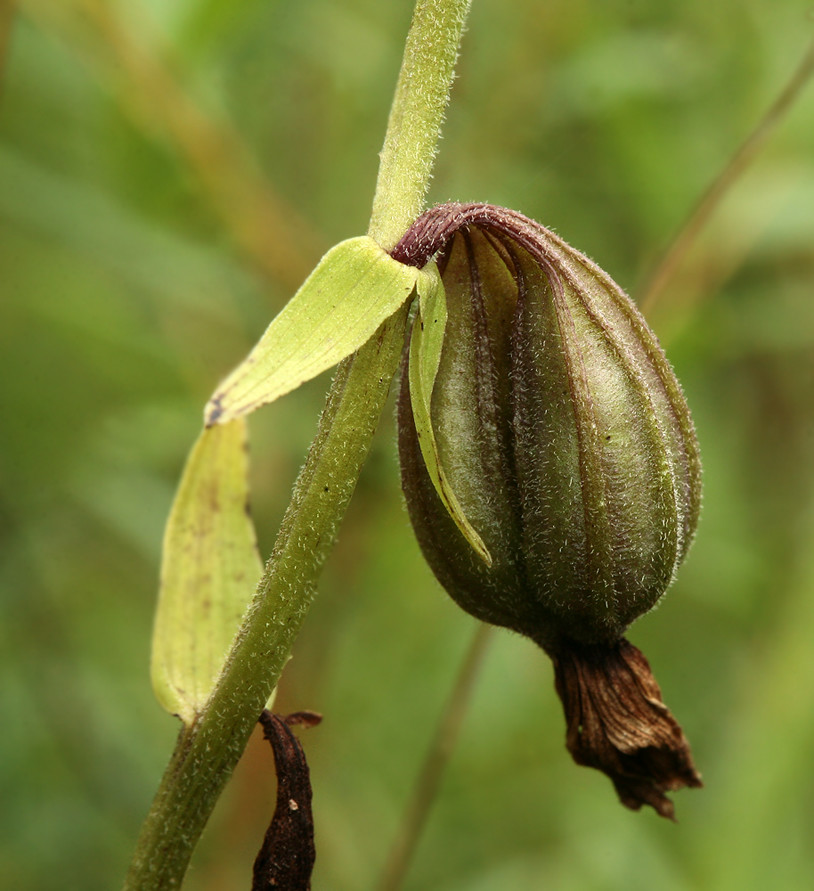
[563,432]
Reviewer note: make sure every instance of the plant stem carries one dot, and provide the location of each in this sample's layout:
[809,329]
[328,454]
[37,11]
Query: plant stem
[415,119]
[208,750]
[432,770]
[726,179]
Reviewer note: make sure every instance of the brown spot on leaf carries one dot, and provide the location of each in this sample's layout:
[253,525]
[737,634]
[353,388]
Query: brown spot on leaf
[215,410]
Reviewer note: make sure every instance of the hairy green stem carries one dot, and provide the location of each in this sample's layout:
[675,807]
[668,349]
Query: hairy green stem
[415,117]
[207,752]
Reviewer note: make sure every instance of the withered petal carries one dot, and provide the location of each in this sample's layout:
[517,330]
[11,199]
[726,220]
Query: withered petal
[287,855]
[617,723]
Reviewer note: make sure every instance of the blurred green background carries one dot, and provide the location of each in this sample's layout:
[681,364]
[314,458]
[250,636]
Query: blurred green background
[169,172]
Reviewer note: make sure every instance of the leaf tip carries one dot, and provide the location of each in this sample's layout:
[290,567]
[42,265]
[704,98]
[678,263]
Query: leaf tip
[475,541]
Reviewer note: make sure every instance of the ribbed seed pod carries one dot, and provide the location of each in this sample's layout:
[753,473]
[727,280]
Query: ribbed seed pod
[564,434]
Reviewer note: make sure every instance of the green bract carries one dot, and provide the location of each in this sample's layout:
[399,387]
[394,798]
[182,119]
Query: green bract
[354,288]
[426,343]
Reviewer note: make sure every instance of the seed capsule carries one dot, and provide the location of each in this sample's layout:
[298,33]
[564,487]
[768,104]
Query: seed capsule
[564,434]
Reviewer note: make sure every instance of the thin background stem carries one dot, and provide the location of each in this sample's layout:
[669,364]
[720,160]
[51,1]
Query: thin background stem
[737,165]
[207,751]
[438,754]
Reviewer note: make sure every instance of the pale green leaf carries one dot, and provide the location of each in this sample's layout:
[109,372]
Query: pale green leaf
[210,568]
[425,354]
[354,288]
